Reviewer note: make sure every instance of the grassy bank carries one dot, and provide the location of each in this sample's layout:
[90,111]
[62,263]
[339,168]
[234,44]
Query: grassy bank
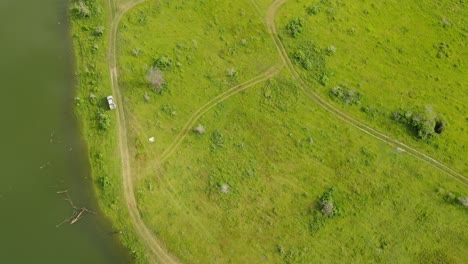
[90,29]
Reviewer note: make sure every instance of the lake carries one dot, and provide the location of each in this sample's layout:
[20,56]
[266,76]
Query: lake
[41,152]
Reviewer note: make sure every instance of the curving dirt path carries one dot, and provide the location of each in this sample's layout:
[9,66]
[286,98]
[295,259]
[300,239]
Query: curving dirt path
[346,118]
[157,251]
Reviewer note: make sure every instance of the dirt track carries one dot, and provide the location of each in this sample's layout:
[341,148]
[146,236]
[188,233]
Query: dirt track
[158,253]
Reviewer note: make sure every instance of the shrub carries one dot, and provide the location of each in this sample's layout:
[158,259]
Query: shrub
[200,129]
[155,78]
[311,59]
[327,204]
[463,201]
[426,124]
[345,94]
[99,31]
[163,63]
[104,121]
[313,10]
[294,27]
[330,50]
[80,9]
[104,182]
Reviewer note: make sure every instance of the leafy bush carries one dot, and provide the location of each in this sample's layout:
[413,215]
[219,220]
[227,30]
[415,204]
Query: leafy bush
[327,209]
[425,124]
[330,50]
[80,9]
[327,204]
[104,182]
[163,63]
[104,121]
[155,78]
[310,58]
[294,27]
[200,129]
[313,10]
[99,31]
[345,94]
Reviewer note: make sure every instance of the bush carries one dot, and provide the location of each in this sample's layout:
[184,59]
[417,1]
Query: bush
[104,121]
[345,94]
[327,204]
[163,63]
[330,50]
[311,59]
[99,31]
[313,10]
[426,124]
[155,78]
[104,182]
[80,9]
[200,129]
[294,27]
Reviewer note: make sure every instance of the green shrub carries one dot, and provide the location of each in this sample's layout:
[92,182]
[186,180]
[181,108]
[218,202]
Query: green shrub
[99,31]
[426,124]
[313,10]
[345,94]
[311,59]
[294,27]
[163,63]
[104,121]
[104,182]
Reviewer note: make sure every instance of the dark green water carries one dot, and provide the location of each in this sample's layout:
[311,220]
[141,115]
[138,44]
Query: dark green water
[38,129]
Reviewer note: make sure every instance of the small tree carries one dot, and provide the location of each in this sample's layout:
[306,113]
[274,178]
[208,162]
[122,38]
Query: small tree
[99,31]
[155,78]
[81,9]
[200,129]
[294,27]
[327,208]
[463,201]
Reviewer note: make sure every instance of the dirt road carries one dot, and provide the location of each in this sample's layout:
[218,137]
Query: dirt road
[157,251]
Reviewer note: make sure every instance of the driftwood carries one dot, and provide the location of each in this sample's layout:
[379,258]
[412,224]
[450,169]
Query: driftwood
[78,212]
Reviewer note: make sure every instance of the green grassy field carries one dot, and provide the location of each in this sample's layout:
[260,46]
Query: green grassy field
[407,57]
[247,190]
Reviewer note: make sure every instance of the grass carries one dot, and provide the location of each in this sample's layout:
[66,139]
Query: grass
[97,123]
[252,187]
[277,162]
[399,56]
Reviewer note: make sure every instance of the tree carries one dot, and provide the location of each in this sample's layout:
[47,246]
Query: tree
[81,9]
[155,78]
[294,27]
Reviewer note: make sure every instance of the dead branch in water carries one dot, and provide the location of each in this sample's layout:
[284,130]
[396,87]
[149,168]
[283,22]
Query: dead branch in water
[78,212]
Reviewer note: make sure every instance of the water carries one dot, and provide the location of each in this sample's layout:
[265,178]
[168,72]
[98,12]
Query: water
[40,151]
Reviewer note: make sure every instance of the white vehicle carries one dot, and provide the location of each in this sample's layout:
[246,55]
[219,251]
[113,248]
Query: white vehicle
[110,100]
